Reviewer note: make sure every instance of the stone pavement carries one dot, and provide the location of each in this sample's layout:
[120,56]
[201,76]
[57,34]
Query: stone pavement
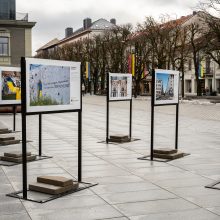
[128,188]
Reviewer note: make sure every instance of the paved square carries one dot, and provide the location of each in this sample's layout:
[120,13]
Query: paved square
[128,188]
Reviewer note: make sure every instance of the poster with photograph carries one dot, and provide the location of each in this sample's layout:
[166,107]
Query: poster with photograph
[52,85]
[10,85]
[120,86]
[166,87]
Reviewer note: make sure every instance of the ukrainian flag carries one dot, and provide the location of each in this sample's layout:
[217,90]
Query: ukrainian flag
[133,64]
[87,70]
[201,70]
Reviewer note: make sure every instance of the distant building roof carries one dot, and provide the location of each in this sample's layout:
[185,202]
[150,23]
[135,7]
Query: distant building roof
[100,24]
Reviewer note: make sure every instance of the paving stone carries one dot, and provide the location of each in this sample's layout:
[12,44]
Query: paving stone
[159,206]
[197,214]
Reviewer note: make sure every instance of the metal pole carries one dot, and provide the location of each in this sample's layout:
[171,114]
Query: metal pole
[107,109]
[24,138]
[177,126]
[80,146]
[80,130]
[130,120]
[40,135]
[152,115]
[14,118]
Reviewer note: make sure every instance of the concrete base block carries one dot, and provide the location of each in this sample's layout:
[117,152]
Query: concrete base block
[16,154]
[5,131]
[18,159]
[9,142]
[165,151]
[119,138]
[172,156]
[51,189]
[55,180]
[6,138]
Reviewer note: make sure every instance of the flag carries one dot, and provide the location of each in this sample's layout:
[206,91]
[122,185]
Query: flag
[133,64]
[201,70]
[87,70]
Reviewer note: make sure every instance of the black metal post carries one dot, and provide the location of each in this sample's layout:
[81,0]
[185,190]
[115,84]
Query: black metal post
[40,134]
[80,131]
[130,120]
[14,118]
[24,137]
[80,146]
[107,109]
[152,115]
[177,126]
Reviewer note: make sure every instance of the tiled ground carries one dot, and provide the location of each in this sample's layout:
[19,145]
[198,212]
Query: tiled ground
[128,188]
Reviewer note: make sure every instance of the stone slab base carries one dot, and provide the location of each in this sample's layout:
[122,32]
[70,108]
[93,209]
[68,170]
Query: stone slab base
[52,189]
[171,156]
[16,154]
[5,131]
[119,138]
[9,142]
[6,138]
[165,151]
[55,180]
[18,159]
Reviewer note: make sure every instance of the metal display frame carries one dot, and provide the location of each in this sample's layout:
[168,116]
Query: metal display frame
[153,105]
[14,112]
[22,194]
[107,111]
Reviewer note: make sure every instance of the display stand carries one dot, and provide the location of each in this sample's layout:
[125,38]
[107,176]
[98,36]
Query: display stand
[117,139]
[151,157]
[23,194]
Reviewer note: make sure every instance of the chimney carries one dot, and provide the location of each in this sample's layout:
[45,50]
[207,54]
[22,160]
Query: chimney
[68,32]
[87,23]
[113,21]
[194,12]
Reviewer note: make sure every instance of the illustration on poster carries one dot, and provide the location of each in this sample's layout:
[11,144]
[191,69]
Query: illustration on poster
[49,85]
[11,85]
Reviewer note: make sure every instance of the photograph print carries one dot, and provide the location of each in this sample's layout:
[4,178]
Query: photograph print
[52,85]
[166,86]
[10,81]
[119,86]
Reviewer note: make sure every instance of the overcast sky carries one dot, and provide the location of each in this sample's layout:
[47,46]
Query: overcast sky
[53,16]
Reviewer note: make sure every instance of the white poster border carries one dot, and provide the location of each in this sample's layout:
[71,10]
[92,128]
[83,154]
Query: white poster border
[129,86]
[8,102]
[176,87]
[75,92]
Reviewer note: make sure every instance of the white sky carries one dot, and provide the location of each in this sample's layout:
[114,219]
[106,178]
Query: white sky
[53,16]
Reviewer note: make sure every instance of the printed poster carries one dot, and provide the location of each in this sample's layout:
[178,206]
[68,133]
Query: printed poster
[52,85]
[166,87]
[120,86]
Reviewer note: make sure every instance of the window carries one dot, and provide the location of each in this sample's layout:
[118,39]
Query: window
[208,62]
[190,64]
[4,46]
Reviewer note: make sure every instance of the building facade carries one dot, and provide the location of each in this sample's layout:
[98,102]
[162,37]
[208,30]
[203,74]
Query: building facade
[15,34]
